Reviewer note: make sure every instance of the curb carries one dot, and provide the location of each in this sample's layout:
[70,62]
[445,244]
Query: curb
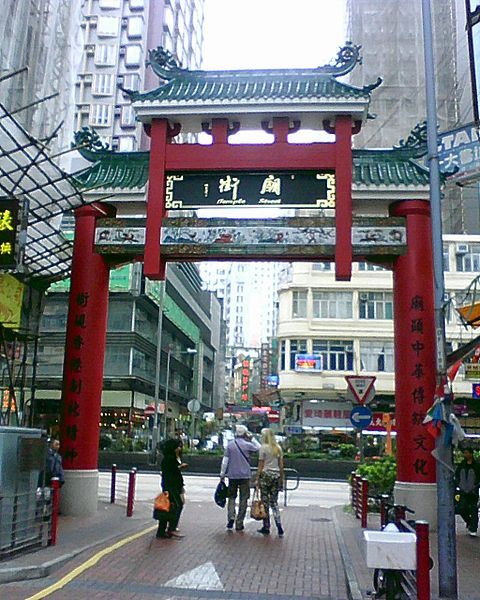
[25,573]
[353,587]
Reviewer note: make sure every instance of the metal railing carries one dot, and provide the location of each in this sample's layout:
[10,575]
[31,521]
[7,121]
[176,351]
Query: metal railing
[25,521]
[122,488]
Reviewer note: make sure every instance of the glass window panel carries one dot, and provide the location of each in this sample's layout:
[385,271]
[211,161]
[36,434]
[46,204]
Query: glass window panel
[299,304]
[377,356]
[375,305]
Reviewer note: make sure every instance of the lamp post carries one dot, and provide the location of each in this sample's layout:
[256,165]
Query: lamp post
[447,550]
[167,383]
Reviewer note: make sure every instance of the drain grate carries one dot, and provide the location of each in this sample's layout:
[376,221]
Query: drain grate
[321,520]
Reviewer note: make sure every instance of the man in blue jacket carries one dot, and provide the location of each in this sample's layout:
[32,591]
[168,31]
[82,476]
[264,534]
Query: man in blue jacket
[236,466]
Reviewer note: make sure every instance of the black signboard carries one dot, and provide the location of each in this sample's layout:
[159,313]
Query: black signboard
[8,231]
[300,189]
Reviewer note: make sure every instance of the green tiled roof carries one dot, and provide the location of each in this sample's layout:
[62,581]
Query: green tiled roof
[251,85]
[129,170]
[244,86]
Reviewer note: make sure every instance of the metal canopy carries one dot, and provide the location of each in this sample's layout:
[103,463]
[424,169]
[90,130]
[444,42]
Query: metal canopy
[44,192]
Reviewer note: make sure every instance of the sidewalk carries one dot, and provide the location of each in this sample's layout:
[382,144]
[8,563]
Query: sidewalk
[360,581]
[76,535]
[321,557]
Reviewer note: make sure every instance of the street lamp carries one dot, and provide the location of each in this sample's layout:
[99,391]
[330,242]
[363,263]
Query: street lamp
[167,384]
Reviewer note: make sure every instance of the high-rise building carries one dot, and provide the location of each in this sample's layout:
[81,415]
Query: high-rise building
[117,36]
[43,36]
[249,292]
[391,37]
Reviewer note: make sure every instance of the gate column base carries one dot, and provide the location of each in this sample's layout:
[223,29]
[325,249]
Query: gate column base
[79,495]
[420,497]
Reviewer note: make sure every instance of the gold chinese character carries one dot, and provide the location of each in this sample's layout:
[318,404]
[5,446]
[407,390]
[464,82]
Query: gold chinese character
[229,184]
[6,248]
[6,221]
[271,185]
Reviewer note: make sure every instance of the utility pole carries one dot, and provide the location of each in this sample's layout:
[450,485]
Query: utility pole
[447,550]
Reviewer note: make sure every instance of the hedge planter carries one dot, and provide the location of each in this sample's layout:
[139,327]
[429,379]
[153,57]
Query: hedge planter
[210,464]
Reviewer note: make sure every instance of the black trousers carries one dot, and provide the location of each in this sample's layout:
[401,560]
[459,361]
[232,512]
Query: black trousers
[468,510]
[169,521]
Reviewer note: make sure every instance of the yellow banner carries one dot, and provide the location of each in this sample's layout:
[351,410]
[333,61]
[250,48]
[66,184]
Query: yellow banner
[11,297]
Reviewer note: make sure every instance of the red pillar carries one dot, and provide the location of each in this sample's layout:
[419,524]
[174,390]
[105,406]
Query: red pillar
[154,267]
[414,345]
[343,210]
[83,365]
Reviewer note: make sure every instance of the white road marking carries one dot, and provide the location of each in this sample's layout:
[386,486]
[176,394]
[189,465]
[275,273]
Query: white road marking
[204,577]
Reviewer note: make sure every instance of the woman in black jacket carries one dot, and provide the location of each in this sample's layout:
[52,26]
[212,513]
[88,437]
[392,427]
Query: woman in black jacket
[172,482]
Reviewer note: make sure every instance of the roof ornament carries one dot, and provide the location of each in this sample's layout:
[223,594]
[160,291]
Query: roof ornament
[163,63]
[88,143]
[416,143]
[348,56]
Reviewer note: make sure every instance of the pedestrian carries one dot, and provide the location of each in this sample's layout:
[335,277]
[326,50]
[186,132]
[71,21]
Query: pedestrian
[172,482]
[236,466]
[54,463]
[270,479]
[467,479]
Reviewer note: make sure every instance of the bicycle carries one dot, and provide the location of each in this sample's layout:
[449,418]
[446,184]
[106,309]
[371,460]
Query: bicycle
[395,584]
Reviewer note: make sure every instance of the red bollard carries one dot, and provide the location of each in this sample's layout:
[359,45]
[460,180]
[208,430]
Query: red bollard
[131,491]
[423,560]
[55,486]
[364,503]
[113,483]
[352,484]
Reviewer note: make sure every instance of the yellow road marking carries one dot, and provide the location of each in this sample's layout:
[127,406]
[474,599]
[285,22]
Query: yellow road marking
[87,564]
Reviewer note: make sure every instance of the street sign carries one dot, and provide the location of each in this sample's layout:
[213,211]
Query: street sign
[193,406]
[476,391]
[361,417]
[149,410]
[472,371]
[361,387]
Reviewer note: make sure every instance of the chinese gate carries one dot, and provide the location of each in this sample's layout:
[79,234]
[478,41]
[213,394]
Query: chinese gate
[362,205]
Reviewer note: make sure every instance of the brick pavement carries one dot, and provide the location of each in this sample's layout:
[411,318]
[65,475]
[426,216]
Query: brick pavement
[211,562]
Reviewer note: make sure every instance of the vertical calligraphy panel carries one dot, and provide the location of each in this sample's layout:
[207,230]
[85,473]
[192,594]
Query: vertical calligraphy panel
[414,345]
[85,347]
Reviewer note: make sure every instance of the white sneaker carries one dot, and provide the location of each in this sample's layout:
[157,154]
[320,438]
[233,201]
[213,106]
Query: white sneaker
[472,533]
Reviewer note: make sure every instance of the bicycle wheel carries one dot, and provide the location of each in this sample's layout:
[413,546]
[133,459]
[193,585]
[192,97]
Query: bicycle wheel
[393,585]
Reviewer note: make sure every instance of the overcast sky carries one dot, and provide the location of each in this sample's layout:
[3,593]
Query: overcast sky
[246,34]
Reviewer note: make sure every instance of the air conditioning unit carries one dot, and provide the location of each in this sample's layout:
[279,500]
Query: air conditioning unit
[364,297]
[461,248]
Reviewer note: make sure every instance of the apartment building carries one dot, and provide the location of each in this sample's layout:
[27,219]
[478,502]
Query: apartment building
[348,327]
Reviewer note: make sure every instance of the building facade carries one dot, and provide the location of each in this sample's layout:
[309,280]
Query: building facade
[348,328]
[117,35]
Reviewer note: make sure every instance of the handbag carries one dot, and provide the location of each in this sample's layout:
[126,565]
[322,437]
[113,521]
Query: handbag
[257,510]
[162,502]
[221,494]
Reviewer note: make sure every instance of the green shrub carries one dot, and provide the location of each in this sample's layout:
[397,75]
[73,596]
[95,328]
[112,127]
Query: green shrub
[347,450]
[381,475]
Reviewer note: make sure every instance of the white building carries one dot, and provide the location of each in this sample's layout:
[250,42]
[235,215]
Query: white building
[249,292]
[350,325]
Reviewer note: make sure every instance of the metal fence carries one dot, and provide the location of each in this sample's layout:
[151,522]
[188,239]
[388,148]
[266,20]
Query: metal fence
[25,521]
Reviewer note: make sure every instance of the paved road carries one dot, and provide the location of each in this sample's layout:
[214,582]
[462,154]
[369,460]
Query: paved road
[325,494]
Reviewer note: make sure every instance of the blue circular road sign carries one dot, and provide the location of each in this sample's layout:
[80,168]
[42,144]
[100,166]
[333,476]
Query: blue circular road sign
[361,417]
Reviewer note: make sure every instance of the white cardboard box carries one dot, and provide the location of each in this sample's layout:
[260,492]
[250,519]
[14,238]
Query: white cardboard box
[391,550]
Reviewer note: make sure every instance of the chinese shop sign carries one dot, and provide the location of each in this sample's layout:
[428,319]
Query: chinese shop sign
[245,380]
[8,231]
[296,190]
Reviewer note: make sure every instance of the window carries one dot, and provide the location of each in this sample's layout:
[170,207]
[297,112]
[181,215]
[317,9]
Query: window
[105,55]
[117,359]
[109,4]
[299,304]
[376,355]
[296,347]
[322,266]
[446,259]
[469,261]
[127,116]
[376,305]
[283,350]
[108,27]
[337,355]
[131,81]
[332,305]
[120,316]
[365,266]
[103,84]
[126,143]
[137,4]
[100,115]
[133,55]
[135,27]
